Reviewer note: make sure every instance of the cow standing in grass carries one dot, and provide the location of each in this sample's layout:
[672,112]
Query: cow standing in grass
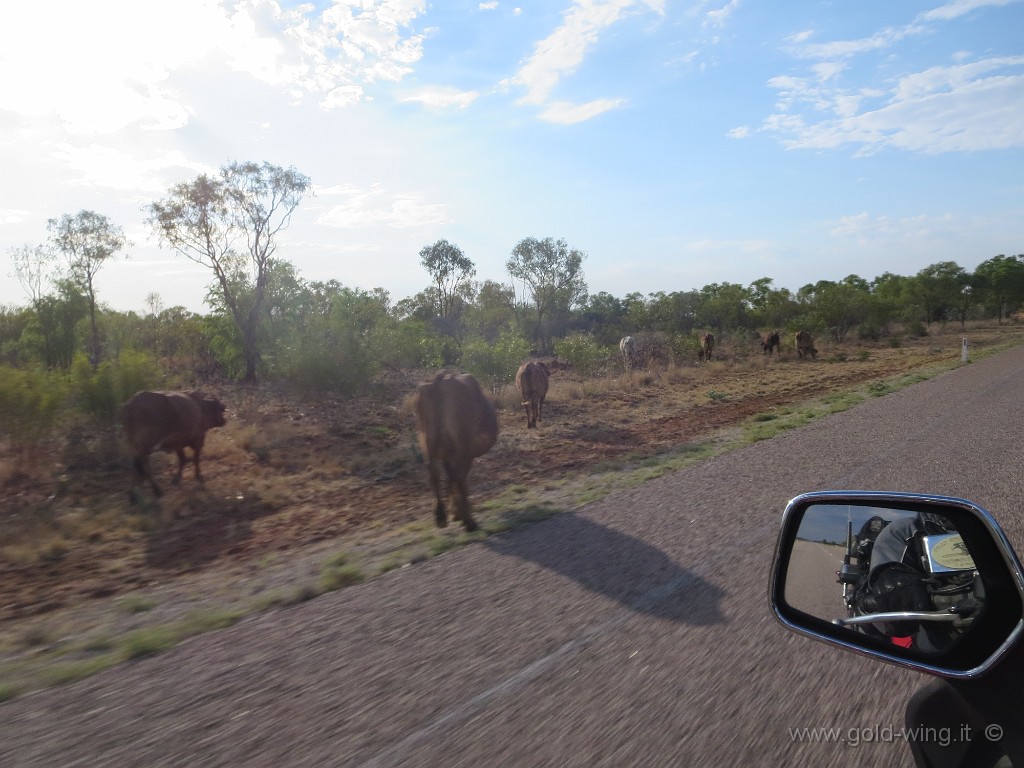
[770,342]
[455,423]
[707,346]
[805,346]
[170,422]
[532,382]
[627,348]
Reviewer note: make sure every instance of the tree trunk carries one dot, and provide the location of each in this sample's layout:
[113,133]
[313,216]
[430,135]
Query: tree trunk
[94,342]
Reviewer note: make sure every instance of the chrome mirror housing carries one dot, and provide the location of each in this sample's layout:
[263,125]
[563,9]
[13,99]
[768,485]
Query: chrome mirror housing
[927,582]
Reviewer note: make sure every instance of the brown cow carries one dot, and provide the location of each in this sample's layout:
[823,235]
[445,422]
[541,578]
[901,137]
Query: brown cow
[532,381]
[455,422]
[771,342]
[707,346]
[805,345]
[170,422]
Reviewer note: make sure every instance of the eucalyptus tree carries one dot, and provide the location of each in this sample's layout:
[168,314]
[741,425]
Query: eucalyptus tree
[551,274]
[938,289]
[492,310]
[87,240]
[840,307]
[34,269]
[1000,283]
[229,224]
[725,306]
[770,307]
[891,300]
[449,268]
[603,316]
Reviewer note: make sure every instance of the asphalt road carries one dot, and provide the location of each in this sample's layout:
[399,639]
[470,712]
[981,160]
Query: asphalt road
[635,631]
[811,584]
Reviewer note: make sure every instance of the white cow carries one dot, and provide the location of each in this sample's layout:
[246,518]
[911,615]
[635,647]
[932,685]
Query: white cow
[628,349]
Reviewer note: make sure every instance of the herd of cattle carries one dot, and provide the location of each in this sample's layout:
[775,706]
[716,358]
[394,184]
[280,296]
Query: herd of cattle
[455,422]
[770,342]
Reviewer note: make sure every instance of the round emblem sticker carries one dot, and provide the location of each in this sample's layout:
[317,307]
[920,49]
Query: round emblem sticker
[952,553]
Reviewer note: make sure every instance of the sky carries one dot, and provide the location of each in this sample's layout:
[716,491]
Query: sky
[676,144]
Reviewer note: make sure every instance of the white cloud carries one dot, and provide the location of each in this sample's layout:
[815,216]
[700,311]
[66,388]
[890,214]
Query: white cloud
[441,97]
[488,6]
[103,66]
[379,207]
[13,216]
[342,96]
[966,107]
[881,233]
[959,8]
[566,113]
[561,53]
[719,17]
[100,166]
[844,49]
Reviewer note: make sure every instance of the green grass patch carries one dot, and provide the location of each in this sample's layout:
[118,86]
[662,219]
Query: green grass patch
[197,622]
[99,644]
[136,604]
[148,641]
[390,564]
[338,572]
[8,691]
[340,575]
[269,600]
[70,672]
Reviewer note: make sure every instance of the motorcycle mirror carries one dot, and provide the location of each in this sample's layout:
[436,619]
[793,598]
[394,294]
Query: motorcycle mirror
[926,582]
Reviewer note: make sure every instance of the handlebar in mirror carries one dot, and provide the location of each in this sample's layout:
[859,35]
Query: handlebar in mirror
[928,582]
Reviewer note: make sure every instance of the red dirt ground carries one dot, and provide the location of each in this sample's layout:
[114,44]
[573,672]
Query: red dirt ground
[289,479]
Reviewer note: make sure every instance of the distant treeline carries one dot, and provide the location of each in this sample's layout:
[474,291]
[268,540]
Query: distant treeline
[266,321]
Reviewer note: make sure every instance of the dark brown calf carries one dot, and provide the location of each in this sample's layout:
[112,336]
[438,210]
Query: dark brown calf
[532,382]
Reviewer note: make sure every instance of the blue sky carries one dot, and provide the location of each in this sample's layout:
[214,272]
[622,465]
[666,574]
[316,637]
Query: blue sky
[676,144]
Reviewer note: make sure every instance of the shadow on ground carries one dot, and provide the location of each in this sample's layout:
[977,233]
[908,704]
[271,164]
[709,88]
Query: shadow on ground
[616,565]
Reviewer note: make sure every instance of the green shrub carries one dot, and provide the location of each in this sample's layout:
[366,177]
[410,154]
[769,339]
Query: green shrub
[495,365]
[411,344]
[100,392]
[30,403]
[916,328]
[328,364]
[582,352]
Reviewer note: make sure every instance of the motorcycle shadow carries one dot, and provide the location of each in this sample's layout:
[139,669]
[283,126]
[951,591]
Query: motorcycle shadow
[608,562]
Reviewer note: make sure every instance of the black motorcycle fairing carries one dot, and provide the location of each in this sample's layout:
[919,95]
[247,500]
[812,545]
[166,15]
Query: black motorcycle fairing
[946,731]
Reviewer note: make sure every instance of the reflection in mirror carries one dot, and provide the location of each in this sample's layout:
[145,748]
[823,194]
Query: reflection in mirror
[901,575]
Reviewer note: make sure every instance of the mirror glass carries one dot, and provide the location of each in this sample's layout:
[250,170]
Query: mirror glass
[900,575]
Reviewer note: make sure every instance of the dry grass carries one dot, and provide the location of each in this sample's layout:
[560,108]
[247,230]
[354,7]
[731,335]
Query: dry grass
[290,482]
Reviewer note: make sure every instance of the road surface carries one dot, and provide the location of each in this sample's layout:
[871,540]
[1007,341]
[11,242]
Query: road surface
[633,632]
